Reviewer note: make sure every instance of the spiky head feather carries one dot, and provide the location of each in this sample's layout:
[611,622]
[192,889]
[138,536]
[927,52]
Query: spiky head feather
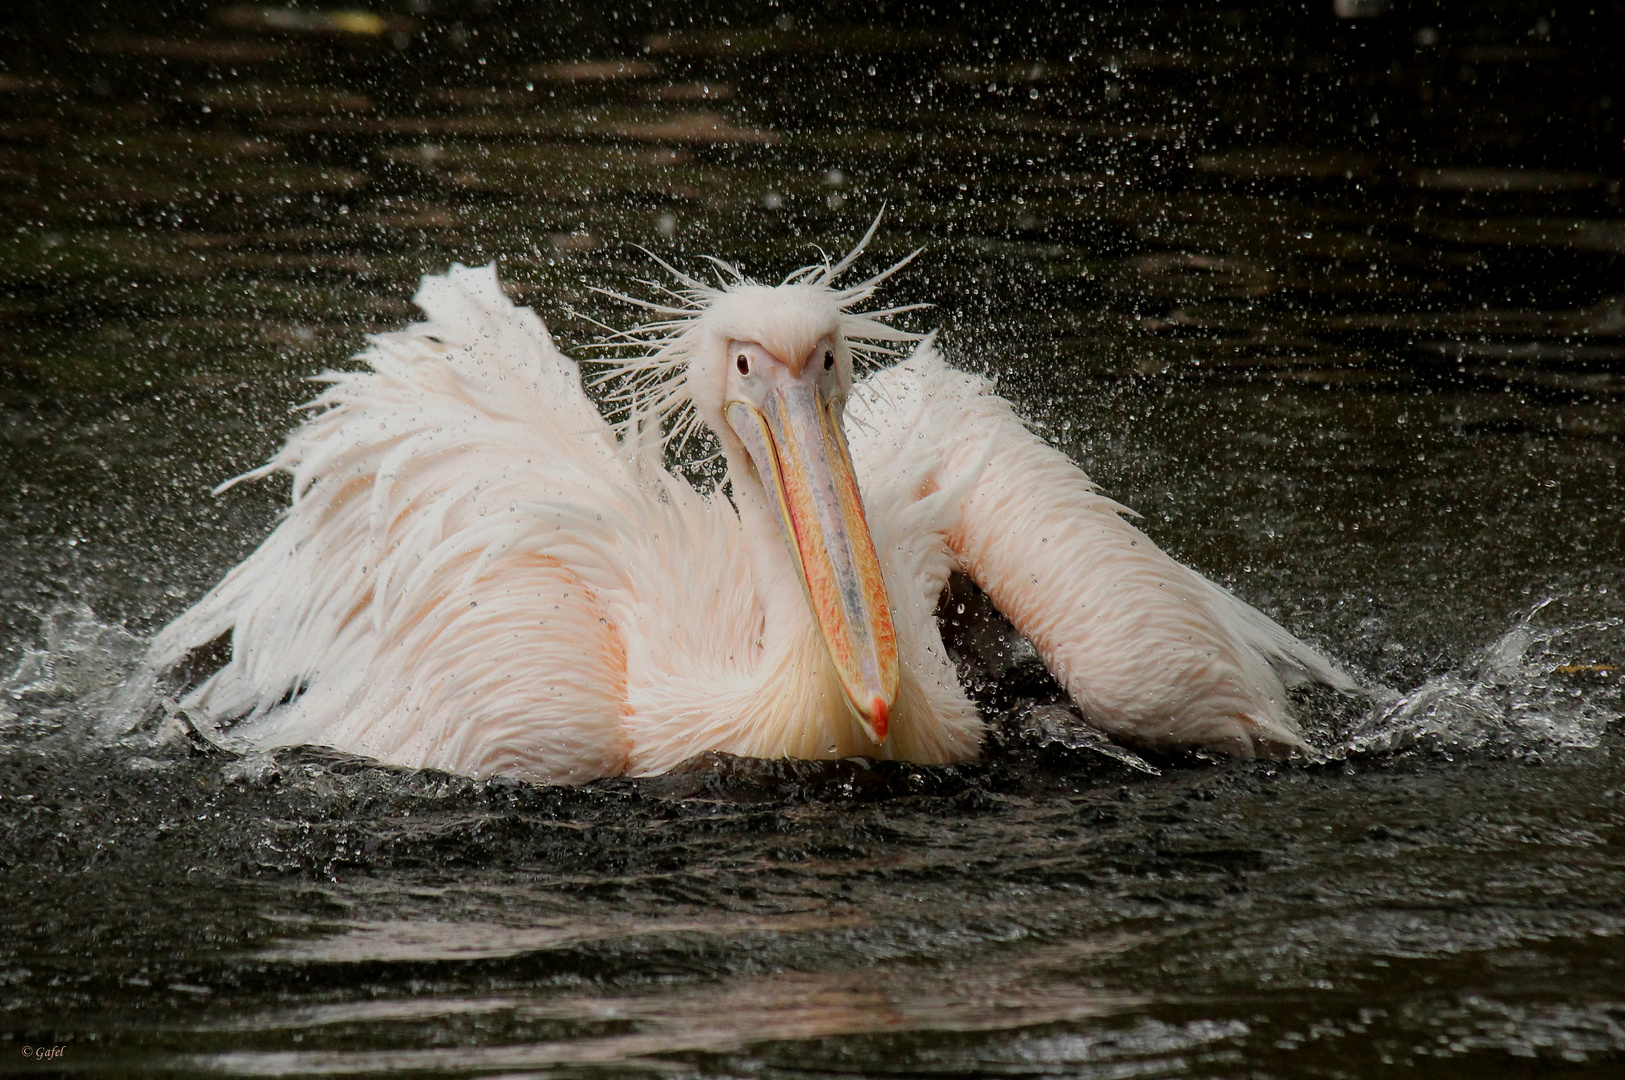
[669,374]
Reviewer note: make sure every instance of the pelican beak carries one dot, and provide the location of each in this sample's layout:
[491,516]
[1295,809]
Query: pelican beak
[796,443]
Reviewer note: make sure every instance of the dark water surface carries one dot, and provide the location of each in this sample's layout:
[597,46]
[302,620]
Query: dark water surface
[1337,303]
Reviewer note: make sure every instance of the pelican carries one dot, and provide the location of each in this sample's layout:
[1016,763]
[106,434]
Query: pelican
[480,573]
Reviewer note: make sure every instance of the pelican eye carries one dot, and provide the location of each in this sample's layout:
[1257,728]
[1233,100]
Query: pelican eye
[829,360]
[743,363]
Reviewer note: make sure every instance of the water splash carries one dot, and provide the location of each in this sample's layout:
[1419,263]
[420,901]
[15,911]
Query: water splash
[85,687]
[1535,688]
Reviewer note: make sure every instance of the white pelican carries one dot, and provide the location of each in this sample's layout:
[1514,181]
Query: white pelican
[479,573]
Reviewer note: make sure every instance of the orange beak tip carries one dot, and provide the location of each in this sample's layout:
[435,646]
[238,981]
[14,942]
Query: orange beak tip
[879,717]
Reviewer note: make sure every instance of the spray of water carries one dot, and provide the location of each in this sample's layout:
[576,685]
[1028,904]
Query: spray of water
[1535,688]
[1538,688]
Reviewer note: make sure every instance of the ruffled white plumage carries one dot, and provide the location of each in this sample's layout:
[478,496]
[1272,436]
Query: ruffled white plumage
[465,466]
[1148,649]
[478,574]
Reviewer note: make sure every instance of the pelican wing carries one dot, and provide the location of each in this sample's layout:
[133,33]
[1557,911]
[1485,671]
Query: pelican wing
[1148,649]
[437,593]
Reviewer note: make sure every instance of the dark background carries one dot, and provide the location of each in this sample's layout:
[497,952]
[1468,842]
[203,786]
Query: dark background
[1337,303]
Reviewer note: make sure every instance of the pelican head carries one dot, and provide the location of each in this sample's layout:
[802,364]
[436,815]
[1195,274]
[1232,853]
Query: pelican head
[767,368]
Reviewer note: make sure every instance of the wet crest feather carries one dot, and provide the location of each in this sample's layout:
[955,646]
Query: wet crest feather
[645,378]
